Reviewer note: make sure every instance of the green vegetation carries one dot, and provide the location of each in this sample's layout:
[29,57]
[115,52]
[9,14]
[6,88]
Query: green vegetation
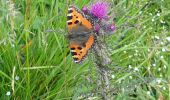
[35,63]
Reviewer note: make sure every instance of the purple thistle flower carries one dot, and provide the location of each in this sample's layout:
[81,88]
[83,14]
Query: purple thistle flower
[112,27]
[85,9]
[99,12]
[97,28]
[108,28]
[99,9]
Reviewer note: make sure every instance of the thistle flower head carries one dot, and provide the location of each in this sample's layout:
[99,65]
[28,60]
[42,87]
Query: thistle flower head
[97,28]
[108,28]
[99,9]
[85,9]
[112,27]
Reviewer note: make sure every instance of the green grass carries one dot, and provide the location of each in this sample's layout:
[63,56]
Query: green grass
[34,49]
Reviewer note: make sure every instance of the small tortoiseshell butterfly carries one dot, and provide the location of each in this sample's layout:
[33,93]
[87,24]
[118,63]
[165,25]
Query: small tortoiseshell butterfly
[80,33]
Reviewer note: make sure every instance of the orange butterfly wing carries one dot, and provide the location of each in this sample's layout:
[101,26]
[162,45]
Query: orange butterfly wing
[78,24]
[75,17]
[79,52]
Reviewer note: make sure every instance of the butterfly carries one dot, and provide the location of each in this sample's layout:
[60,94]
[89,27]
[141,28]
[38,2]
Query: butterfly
[80,33]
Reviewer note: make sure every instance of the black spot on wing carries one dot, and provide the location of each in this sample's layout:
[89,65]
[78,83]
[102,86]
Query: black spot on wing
[73,53]
[72,48]
[69,23]
[79,48]
[75,59]
[76,22]
[70,11]
[69,17]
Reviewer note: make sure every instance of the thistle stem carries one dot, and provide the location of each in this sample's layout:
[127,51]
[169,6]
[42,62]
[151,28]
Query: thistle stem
[102,61]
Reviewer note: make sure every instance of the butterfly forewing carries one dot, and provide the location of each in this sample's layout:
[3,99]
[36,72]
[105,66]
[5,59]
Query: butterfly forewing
[76,18]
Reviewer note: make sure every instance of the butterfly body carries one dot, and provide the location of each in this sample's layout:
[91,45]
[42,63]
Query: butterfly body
[80,33]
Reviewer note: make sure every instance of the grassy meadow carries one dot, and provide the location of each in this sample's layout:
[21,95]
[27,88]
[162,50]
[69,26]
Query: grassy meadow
[35,63]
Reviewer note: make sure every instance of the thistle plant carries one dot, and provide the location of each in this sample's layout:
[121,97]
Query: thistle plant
[99,13]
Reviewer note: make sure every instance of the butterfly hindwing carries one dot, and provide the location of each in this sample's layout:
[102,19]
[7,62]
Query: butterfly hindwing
[80,35]
[79,51]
